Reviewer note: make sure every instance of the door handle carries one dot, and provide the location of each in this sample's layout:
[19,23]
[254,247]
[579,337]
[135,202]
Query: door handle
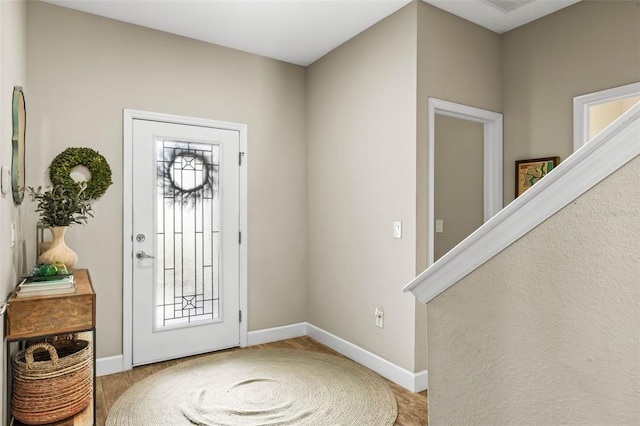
[142,255]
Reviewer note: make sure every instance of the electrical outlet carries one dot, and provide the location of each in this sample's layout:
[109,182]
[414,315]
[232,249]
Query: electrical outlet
[379,315]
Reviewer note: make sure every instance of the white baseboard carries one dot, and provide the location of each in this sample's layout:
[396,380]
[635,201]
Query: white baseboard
[109,365]
[274,334]
[414,382]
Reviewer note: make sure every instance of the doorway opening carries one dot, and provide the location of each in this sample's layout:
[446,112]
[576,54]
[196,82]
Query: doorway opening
[595,111]
[186,175]
[492,167]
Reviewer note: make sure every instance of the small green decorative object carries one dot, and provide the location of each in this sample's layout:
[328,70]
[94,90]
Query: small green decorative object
[67,160]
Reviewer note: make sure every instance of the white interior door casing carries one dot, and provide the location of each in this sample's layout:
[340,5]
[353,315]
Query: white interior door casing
[492,159]
[151,337]
[582,104]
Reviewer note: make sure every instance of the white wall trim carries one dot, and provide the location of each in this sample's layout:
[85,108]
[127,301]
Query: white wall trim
[274,334]
[582,103]
[109,365]
[607,152]
[493,181]
[127,205]
[414,382]
[244,228]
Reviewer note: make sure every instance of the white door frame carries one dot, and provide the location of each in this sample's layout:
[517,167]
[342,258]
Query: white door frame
[127,236]
[582,103]
[493,180]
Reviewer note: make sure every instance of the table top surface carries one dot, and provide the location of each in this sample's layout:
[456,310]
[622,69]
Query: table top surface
[83,288]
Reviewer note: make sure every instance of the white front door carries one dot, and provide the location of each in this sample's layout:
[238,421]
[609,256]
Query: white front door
[186,209]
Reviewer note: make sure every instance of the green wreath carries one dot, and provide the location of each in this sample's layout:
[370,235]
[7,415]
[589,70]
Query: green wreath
[61,167]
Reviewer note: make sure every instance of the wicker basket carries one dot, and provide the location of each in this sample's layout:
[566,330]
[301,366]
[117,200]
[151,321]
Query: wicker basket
[53,384]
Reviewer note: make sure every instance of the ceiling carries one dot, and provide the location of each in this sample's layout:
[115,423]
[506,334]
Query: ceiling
[296,31]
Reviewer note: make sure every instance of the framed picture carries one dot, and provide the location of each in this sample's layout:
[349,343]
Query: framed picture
[528,172]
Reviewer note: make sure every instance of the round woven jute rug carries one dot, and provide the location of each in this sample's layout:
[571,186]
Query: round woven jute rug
[259,387]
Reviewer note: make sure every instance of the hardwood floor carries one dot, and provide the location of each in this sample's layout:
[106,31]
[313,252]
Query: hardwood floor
[412,408]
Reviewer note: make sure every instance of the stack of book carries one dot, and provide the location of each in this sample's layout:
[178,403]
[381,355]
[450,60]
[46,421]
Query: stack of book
[41,286]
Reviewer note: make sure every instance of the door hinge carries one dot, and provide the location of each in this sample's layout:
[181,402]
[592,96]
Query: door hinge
[241,154]
[240,316]
[240,237]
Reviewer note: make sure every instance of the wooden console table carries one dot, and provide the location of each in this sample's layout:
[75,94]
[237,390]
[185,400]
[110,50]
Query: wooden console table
[40,317]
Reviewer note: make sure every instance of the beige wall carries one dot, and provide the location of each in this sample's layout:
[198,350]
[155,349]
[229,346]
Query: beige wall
[337,150]
[585,48]
[361,168]
[13,63]
[547,332]
[459,187]
[459,62]
[13,72]
[83,70]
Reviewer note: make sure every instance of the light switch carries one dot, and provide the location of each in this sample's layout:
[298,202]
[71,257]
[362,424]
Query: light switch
[5,179]
[439,225]
[397,229]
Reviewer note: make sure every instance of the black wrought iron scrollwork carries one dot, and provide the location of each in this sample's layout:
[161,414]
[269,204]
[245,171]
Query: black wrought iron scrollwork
[187,176]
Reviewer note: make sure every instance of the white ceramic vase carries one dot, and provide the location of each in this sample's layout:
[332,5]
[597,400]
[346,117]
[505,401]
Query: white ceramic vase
[58,251]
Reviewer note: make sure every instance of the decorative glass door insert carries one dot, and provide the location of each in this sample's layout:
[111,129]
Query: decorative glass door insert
[188,235]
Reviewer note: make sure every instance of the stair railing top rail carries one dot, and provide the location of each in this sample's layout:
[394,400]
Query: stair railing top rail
[612,148]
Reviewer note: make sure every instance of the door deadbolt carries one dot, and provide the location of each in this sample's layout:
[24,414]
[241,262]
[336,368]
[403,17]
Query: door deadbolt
[140,238]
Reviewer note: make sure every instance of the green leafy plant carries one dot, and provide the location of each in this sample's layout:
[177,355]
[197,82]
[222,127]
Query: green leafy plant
[61,206]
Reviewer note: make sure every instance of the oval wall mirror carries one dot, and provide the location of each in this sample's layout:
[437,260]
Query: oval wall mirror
[17,140]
